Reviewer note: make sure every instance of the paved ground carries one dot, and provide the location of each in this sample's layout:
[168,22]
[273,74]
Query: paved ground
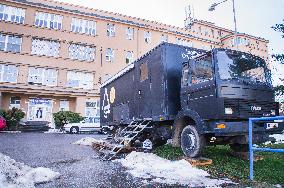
[79,166]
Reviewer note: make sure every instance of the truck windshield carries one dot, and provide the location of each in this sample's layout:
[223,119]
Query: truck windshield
[242,66]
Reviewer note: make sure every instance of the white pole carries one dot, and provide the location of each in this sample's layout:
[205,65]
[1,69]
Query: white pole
[235,23]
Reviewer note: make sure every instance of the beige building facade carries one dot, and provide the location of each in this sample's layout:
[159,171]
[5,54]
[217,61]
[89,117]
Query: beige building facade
[54,56]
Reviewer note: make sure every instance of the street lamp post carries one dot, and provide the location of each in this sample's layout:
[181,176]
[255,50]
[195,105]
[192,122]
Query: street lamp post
[214,5]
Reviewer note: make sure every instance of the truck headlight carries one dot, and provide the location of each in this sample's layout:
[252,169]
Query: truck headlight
[228,111]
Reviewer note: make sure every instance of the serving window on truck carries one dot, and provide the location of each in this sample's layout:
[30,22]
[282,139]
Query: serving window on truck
[144,71]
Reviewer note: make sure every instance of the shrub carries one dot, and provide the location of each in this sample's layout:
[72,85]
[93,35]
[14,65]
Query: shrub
[13,117]
[63,117]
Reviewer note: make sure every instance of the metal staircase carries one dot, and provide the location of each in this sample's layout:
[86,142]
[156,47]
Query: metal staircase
[126,137]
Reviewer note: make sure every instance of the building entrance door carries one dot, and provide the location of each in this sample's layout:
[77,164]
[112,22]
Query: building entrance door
[40,110]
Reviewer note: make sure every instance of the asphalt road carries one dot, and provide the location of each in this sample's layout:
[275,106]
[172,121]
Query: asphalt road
[78,165]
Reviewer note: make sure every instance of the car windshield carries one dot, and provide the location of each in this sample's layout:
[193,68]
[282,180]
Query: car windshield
[92,120]
[242,66]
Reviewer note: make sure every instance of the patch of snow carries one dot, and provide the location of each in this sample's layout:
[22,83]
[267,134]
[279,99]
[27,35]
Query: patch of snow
[88,141]
[10,132]
[156,169]
[18,175]
[57,131]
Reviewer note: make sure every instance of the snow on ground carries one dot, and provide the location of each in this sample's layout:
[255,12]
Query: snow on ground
[88,141]
[156,169]
[18,175]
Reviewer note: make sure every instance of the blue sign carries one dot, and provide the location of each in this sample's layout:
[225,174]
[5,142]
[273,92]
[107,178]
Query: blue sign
[40,101]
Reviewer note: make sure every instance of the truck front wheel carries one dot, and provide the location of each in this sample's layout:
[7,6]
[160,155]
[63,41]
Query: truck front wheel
[192,142]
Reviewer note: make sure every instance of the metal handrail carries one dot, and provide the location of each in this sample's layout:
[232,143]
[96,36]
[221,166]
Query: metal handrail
[252,149]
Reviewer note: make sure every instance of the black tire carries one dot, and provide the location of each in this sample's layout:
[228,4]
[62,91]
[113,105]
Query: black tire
[192,142]
[239,147]
[74,130]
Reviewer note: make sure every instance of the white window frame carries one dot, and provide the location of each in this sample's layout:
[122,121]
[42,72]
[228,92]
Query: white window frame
[82,80]
[16,104]
[7,42]
[6,73]
[82,52]
[129,56]
[8,12]
[110,30]
[147,37]
[109,54]
[129,33]
[64,105]
[42,76]
[87,27]
[45,47]
[48,19]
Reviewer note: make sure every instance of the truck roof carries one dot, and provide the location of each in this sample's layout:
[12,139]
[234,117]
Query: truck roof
[131,66]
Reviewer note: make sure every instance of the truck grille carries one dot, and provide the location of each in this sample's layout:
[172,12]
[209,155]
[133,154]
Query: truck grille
[251,108]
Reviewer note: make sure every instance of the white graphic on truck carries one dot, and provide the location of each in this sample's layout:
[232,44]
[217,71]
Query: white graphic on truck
[190,54]
[106,104]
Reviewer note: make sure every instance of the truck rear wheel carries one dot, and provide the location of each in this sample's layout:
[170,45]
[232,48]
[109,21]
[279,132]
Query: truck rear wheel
[192,142]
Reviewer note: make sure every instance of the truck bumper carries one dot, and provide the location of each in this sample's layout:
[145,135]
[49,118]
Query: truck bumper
[241,128]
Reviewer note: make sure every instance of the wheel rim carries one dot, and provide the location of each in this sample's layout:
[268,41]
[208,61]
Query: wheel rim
[74,130]
[190,141]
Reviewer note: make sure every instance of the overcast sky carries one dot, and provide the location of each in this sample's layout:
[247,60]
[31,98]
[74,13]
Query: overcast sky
[254,17]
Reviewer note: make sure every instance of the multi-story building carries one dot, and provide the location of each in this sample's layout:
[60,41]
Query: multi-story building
[53,56]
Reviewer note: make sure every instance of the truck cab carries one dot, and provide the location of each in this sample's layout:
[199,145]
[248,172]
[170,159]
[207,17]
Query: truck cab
[220,91]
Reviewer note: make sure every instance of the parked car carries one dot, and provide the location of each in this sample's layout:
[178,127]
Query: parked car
[88,125]
[2,123]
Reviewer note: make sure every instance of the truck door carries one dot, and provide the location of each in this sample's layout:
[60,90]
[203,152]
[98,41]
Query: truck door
[143,89]
[198,86]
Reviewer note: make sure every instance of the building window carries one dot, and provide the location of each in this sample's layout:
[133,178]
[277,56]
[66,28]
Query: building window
[240,41]
[12,14]
[129,57]
[212,32]
[147,36]
[164,38]
[82,52]
[80,80]
[45,47]
[110,55]
[92,111]
[130,33]
[52,21]
[206,32]
[219,33]
[10,43]
[42,76]
[83,26]
[8,73]
[64,105]
[15,102]
[110,30]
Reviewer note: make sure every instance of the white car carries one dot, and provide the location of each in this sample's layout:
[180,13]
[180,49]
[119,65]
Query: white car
[88,125]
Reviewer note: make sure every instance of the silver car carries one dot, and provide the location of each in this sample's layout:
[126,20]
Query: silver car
[88,125]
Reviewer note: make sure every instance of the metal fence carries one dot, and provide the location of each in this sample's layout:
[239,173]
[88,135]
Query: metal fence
[252,148]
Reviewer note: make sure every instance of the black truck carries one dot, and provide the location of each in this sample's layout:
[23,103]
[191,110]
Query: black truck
[200,97]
